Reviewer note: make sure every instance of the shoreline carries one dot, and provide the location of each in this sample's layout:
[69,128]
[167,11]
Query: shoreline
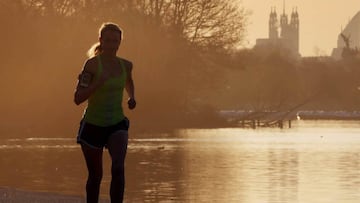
[16,195]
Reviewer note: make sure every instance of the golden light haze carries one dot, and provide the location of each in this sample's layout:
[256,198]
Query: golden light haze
[320,21]
[181,80]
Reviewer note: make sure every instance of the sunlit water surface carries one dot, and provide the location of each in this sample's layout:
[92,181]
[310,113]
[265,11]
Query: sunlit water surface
[313,162]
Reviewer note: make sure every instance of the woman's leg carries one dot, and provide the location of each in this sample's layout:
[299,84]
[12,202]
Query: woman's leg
[93,159]
[117,146]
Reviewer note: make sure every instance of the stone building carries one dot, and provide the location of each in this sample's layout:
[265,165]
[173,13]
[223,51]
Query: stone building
[283,34]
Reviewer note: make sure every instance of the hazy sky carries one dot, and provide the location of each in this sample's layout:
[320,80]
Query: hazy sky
[320,21]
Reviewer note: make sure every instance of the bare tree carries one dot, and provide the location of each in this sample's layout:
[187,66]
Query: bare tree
[206,23]
[215,23]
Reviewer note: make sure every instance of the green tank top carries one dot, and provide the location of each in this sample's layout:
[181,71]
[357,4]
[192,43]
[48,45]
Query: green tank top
[105,104]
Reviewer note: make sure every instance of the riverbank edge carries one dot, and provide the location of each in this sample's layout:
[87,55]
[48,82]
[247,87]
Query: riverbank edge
[17,195]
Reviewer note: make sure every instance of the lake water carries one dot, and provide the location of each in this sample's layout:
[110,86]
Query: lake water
[313,162]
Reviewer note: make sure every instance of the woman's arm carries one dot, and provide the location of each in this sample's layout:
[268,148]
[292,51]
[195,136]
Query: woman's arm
[129,86]
[83,91]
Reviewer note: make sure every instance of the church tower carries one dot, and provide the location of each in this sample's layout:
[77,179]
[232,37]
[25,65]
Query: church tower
[273,25]
[290,30]
[284,24]
[294,27]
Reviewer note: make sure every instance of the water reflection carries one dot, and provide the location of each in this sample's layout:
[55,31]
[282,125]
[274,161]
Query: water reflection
[309,163]
[283,175]
[350,174]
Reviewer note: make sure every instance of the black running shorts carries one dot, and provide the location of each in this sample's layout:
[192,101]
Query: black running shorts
[97,136]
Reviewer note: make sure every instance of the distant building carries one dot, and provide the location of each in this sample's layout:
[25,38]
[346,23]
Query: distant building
[351,33]
[285,35]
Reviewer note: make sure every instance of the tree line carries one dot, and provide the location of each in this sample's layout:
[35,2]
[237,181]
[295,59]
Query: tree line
[270,79]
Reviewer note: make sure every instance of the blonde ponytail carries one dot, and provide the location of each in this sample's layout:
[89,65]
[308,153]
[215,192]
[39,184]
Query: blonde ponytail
[94,50]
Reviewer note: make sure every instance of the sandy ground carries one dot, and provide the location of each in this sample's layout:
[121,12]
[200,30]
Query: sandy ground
[11,195]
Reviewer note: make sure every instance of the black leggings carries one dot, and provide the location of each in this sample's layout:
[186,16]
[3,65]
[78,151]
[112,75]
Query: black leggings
[117,146]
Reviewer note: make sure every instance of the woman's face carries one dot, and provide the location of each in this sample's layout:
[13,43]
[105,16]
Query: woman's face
[110,41]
